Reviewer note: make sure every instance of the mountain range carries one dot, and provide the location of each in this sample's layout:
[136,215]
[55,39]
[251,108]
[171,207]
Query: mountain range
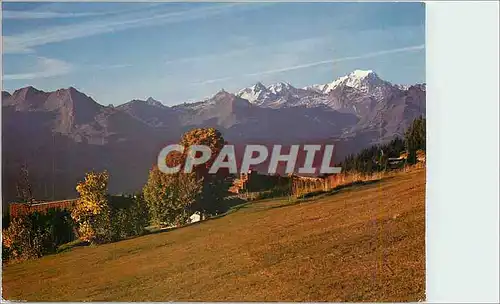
[60,135]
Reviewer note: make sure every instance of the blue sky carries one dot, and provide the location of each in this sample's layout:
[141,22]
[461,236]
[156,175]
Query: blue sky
[177,52]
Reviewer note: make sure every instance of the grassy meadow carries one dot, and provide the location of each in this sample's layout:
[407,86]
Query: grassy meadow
[361,243]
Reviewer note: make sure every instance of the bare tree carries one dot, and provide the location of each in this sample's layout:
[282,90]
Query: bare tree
[23,186]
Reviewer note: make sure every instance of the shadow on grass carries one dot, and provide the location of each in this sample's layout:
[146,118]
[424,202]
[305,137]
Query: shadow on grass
[317,194]
[234,204]
[70,245]
[231,205]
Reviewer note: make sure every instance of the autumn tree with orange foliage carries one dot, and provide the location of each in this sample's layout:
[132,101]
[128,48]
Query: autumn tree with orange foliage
[211,199]
[92,212]
[172,197]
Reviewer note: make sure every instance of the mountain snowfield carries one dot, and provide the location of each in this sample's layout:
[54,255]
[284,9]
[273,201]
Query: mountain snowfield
[283,94]
[362,80]
[62,134]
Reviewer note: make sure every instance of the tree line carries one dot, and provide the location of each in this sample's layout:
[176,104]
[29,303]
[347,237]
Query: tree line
[376,158]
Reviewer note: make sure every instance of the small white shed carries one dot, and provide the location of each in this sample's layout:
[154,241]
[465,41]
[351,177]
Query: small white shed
[195,217]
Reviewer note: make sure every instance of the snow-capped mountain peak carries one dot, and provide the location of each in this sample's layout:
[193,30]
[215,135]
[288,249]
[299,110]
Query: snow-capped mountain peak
[261,93]
[271,96]
[362,73]
[253,93]
[359,79]
[316,88]
[279,87]
[258,87]
[347,92]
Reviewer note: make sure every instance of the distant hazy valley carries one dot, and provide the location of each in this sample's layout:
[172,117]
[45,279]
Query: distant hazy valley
[63,134]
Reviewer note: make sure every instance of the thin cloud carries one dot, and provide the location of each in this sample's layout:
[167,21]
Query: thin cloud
[45,13]
[25,42]
[108,66]
[297,45]
[212,81]
[45,68]
[50,67]
[317,63]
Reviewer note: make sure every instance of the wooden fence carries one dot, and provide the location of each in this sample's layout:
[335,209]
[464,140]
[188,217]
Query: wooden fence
[19,209]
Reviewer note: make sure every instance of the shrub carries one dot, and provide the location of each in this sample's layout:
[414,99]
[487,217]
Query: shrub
[23,240]
[279,191]
[129,216]
[92,212]
[58,224]
[37,234]
[139,215]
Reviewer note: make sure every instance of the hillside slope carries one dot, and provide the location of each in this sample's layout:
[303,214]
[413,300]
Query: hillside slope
[365,243]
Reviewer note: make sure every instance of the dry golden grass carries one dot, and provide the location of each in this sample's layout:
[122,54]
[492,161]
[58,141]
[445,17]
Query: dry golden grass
[303,187]
[365,243]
